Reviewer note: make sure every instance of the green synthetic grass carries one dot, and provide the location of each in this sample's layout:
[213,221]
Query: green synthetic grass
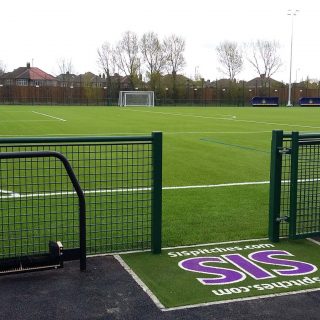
[174,286]
[201,146]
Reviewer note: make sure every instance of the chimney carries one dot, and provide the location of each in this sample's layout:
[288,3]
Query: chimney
[28,65]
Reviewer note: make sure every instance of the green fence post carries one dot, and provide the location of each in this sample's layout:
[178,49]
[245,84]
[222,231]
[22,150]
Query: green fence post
[156,224]
[294,184]
[275,185]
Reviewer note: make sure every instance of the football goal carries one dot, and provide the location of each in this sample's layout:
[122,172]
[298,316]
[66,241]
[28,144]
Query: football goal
[136,98]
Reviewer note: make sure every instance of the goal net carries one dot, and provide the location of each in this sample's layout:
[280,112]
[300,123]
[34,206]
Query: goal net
[136,98]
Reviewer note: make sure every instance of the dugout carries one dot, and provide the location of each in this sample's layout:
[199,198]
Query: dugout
[265,101]
[309,102]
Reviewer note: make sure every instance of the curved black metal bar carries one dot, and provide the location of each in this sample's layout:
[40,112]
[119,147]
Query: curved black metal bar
[75,183]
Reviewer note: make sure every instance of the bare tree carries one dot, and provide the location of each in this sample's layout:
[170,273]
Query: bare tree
[153,56]
[230,58]
[65,66]
[174,47]
[106,59]
[264,57]
[126,55]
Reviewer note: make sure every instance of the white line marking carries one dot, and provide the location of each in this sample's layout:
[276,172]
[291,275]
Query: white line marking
[240,299]
[177,247]
[207,186]
[47,115]
[140,282]
[223,118]
[3,121]
[133,133]
[49,194]
[9,194]
[215,243]
[314,241]
[52,194]
[164,309]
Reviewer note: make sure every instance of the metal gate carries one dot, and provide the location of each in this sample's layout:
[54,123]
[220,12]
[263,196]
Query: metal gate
[294,186]
[121,178]
[37,232]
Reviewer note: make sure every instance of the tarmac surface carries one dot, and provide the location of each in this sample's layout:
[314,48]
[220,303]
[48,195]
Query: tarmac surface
[107,291]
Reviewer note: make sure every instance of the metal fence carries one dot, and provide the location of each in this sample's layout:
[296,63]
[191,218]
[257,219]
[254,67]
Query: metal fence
[294,185]
[185,94]
[30,225]
[121,180]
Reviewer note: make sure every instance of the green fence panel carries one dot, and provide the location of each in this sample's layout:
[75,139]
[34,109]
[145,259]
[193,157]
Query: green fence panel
[275,185]
[120,178]
[294,210]
[24,232]
[307,215]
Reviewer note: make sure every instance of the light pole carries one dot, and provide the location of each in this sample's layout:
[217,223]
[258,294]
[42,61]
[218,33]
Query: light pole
[291,13]
[165,95]
[105,88]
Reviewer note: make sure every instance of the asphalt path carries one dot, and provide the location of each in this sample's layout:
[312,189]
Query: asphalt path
[107,291]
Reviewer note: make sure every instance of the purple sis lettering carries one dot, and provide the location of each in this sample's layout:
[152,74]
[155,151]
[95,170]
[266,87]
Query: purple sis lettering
[246,267]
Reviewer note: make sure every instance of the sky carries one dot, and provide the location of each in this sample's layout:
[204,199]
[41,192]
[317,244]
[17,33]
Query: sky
[43,32]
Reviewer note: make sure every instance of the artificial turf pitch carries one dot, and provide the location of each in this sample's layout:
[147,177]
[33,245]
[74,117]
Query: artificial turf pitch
[215,167]
[224,272]
[214,152]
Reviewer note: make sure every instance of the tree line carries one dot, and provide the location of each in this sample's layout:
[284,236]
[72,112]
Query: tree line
[151,57]
[132,57]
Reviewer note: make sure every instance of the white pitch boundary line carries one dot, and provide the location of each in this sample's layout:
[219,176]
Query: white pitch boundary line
[228,119]
[314,241]
[48,194]
[52,194]
[47,115]
[140,282]
[240,299]
[156,301]
[131,133]
[206,186]
[10,193]
[177,247]
[222,185]
[27,120]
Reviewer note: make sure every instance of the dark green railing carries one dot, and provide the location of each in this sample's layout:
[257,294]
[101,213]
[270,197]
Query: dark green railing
[121,178]
[294,185]
[18,228]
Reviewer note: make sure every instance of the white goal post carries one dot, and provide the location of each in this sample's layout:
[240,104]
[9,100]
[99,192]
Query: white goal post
[136,98]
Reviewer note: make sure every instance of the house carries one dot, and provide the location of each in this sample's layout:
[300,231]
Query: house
[28,76]
[263,82]
[89,79]
[68,80]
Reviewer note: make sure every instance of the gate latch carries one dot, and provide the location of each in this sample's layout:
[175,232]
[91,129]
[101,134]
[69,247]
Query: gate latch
[283,219]
[284,150]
